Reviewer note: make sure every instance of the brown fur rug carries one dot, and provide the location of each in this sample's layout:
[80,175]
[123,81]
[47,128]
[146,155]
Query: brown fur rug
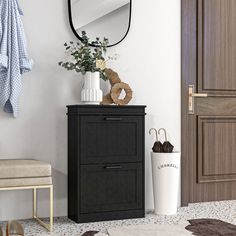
[90,233]
[211,227]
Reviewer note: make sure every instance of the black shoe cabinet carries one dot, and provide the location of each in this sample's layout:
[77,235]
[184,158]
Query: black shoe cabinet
[105,162]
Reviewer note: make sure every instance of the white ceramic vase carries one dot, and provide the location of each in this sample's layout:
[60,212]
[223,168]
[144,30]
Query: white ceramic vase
[166,176]
[91,93]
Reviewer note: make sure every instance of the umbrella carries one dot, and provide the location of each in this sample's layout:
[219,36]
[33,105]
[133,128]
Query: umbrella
[167,146]
[157,147]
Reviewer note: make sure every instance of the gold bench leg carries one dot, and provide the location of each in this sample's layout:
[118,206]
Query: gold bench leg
[51,208]
[35,202]
[49,226]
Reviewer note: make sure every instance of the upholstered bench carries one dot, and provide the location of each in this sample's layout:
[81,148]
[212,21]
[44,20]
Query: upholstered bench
[28,174]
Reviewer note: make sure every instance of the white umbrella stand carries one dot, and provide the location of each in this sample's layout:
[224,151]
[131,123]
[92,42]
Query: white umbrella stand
[166,176]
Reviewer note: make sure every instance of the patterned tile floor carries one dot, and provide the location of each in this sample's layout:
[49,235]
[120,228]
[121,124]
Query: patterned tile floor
[225,210]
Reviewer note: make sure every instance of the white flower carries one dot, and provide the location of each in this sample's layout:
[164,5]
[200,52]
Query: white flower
[101,64]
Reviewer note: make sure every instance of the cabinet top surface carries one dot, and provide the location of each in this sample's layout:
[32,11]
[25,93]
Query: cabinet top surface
[106,106]
[106,109]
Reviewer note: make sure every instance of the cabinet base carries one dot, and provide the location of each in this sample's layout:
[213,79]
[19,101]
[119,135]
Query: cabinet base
[106,216]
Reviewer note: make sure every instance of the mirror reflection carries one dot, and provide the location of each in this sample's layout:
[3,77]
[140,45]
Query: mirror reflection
[101,18]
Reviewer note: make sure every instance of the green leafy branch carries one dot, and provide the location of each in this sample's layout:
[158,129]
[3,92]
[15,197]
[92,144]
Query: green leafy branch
[84,58]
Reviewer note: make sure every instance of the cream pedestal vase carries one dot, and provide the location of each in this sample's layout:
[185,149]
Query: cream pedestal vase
[91,93]
[165,176]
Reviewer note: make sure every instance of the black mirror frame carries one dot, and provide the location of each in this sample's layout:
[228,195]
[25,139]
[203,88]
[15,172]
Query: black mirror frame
[77,35]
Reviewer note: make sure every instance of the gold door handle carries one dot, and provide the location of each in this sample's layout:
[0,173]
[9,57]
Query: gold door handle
[191,96]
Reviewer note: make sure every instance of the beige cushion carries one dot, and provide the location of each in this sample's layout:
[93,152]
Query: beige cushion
[22,182]
[17,173]
[24,168]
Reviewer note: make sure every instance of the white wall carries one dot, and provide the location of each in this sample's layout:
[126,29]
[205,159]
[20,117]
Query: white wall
[149,60]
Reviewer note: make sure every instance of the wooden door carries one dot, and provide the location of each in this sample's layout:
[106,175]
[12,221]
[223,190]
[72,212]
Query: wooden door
[208,131]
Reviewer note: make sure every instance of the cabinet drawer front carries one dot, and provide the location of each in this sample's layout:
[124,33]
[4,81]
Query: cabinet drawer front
[111,139]
[111,187]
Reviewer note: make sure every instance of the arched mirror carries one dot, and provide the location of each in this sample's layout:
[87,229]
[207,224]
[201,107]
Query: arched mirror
[101,18]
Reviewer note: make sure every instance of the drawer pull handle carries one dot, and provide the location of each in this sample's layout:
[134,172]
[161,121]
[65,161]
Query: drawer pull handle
[113,118]
[112,167]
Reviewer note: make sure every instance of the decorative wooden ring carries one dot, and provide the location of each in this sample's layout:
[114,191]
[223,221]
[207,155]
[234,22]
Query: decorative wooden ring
[113,78]
[107,100]
[116,91]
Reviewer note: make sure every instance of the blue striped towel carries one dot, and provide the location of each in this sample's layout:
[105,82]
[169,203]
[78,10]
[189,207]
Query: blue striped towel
[14,60]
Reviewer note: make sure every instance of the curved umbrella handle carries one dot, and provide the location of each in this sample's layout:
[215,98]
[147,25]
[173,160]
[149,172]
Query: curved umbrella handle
[153,129]
[162,129]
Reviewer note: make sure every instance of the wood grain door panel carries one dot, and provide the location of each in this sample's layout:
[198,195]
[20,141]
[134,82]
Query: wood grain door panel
[217,45]
[216,106]
[209,135]
[216,149]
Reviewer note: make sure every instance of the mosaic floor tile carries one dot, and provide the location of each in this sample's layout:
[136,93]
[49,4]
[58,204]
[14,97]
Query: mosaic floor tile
[225,210]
